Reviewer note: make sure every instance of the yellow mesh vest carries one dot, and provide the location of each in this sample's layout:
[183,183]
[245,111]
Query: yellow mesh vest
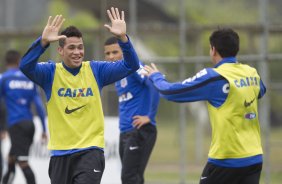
[235,124]
[75,116]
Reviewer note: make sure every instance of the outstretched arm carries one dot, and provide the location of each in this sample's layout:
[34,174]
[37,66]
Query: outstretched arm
[205,85]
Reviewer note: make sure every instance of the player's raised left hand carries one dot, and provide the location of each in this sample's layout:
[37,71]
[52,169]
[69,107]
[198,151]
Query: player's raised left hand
[118,27]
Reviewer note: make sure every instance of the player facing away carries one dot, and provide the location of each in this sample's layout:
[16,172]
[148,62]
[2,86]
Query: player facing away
[231,90]
[73,87]
[18,93]
[138,105]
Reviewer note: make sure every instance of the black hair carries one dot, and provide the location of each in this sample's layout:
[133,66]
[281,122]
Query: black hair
[226,42]
[70,31]
[111,40]
[12,57]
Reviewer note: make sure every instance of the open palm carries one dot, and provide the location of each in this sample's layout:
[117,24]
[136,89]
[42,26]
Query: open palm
[51,30]
[118,27]
[150,69]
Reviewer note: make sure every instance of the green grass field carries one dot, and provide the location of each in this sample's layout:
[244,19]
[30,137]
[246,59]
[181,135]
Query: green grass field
[163,167]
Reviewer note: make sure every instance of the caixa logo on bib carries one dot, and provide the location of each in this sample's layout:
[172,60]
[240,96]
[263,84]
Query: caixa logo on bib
[250,116]
[80,92]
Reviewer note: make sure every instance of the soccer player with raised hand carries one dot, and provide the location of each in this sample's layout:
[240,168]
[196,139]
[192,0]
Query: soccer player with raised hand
[73,87]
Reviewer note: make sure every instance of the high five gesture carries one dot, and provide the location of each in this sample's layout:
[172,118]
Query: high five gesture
[63,80]
[118,27]
[53,26]
[51,30]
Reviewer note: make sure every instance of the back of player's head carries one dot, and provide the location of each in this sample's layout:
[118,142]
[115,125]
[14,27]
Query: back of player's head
[226,42]
[12,57]
[111,40]
[70,31]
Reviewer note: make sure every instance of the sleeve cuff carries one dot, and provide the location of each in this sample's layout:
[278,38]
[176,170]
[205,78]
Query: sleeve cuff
[125,45]
[38,43]
[156,75]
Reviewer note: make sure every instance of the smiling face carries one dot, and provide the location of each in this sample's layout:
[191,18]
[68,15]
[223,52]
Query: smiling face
[112,52]
[72,52]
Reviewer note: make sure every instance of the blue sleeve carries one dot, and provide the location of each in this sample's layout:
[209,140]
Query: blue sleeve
[139,74]
[40,73]
[109,72]
[130,57]
[40,109]
[203,86]
[262,90]
[155,99]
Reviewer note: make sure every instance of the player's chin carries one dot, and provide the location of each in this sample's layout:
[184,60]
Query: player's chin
[76,63]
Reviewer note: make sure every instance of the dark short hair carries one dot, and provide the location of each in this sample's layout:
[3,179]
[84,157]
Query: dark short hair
[12,57]
[225,41]
[111,40]
[70,31]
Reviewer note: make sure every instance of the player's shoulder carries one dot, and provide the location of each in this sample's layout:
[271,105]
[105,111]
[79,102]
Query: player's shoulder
[248,67]
[206,73]
[6,74]
[202,76]
[48,66]
[212,72]
[94,63]
[12,74]
[49,62]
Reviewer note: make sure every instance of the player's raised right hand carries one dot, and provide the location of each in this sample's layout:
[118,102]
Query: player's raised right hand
[51,30]
[150,69]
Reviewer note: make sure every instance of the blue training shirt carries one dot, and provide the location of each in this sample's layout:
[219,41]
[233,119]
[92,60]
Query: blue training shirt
[105,73]
[2,113]
[206,85]
[18,93]
[137,96]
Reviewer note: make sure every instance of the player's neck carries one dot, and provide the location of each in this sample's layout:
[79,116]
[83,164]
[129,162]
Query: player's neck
[12,66]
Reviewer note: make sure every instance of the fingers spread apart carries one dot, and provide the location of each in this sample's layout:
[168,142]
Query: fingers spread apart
[114,14]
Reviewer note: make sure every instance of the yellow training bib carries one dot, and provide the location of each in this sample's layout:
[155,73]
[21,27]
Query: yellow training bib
[235,124]
[75,115]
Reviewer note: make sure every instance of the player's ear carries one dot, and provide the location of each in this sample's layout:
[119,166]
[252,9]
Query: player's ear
[212,50]
[60,50]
